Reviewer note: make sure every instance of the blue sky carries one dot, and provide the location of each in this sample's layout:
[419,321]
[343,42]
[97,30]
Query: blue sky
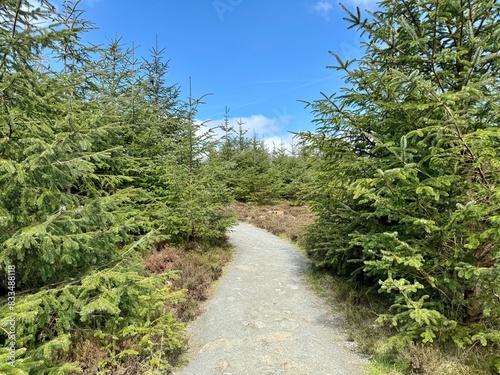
[257,57]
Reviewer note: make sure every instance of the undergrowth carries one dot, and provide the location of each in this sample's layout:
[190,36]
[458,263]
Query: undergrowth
[198,269]
[136,320]
[361,308]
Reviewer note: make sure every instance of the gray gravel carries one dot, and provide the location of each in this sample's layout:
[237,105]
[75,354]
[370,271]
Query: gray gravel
[264,320]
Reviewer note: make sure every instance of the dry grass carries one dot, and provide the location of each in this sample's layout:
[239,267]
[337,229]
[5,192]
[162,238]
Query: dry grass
[162,261]
[89,354]
[427,359]
[198,268]
[281,219]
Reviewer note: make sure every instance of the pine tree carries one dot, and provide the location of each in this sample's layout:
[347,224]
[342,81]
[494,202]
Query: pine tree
[196,182]
[250,179]
[407,168]
[54,220]
[290,172]
[72,197]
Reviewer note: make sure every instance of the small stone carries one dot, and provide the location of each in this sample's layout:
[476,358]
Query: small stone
[222,365]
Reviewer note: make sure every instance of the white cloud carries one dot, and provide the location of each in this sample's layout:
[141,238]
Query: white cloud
[277,141]
[323,9]
[262,125]
[271,130]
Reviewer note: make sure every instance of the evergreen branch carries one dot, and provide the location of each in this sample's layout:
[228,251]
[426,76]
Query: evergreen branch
[9,120]
[456,126]
[6,332]
[471,18]
[14,27]
[16,18]
[483,20]
[433,49]
[462,24]
[460,136]
[412,17]
[98,268]
[139,242]
[105,153]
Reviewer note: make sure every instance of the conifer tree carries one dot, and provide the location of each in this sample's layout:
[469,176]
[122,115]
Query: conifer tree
[290,172]
[407,168]
[75,210]
[54,220]
[196,182]
[250,179]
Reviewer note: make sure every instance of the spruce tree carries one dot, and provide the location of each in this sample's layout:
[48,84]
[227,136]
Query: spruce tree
[196,181]
[54,218]
[70,216]
[407,168]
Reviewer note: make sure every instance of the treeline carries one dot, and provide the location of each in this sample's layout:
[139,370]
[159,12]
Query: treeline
[260,173]
[101,163]
[407,168]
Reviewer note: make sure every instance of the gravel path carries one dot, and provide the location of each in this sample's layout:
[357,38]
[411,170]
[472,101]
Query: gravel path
[264,320]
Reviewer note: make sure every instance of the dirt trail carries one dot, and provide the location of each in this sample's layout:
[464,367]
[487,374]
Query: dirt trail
[264,320]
